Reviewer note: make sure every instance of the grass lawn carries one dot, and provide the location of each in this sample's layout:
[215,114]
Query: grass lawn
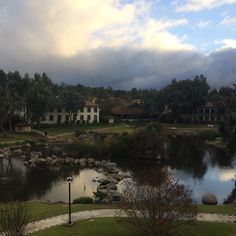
[229,209]
[110,227]
[118,129]
[108,128]
[40,211]
[17,137]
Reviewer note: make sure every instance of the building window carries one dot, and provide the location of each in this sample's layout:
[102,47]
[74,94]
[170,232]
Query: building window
[74,117]
[88,109]
[81,117]
[59,117]
[89,117]
[95,118]
[67,117]
[59,109]
[95,109]
[82,109]
[51,118]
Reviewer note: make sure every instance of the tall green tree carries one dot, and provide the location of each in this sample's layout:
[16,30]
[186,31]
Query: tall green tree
[39,97]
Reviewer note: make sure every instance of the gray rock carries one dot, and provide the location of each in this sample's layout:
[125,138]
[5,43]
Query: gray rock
[104,181]
[41,162]
[209,199]
[28,145]
[32,165]
[83,162]
[97,163]
[76,161]
[100,170]
[49,160]
[91,161]
[17,152]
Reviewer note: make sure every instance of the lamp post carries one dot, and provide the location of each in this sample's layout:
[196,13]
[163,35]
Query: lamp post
[69,180]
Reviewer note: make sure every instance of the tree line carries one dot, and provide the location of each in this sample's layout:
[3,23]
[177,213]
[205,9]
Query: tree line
[37,94]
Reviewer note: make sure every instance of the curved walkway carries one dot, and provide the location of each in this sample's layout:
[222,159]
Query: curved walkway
[84,215]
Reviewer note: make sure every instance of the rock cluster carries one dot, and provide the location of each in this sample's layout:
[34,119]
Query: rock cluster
[107,191]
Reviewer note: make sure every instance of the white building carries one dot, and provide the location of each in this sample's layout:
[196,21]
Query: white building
[88,114]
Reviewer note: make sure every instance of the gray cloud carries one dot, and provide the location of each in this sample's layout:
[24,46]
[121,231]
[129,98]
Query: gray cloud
[127,68]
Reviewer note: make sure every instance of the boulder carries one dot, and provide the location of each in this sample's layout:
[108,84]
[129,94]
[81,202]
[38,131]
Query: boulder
[41,162]
[100,170]
[91,161]
[76,161]
[32,165]
[83,162]
[17,152]
[209,199]
[97,163]
[69,160]
[28,145]
[49,160]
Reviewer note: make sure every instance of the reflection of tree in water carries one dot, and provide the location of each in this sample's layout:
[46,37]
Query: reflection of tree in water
[10,180]
[220,157]
[232,195]
[187,154]
[39,181]
[35,182]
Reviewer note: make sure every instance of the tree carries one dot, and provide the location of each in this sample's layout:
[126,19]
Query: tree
[39,97]
[71,100]
[156,204]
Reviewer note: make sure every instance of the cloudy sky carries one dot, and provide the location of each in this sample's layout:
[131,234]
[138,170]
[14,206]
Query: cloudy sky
[120,43]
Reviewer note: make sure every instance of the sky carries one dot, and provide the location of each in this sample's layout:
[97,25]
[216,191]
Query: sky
[120,43]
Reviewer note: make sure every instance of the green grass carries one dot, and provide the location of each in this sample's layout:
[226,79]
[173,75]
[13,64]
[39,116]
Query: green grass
[109,226]
[40,211]
[17,137]
[61,129]
[229,209]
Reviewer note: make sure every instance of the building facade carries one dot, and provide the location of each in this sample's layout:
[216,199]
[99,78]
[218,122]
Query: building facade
[90,113]
[207,113]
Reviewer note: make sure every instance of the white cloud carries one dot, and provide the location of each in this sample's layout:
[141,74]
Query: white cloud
[198,5]
[64,28]
[228,21]
[226,43]
[203,24]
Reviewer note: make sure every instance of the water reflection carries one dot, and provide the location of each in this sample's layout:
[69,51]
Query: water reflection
[202,169]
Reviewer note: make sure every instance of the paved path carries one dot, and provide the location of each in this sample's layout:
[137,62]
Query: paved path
[83,215]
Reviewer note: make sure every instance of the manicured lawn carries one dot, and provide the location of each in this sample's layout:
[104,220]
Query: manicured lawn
[44,210]
[40,211]
[55,130]
[110,227]
[118,129]
[229,209]
[17,137]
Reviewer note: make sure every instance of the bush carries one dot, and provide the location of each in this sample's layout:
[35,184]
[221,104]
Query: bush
[79,132]
[119,147]
[83,200]
[13,218]
[154,126]
[83,149]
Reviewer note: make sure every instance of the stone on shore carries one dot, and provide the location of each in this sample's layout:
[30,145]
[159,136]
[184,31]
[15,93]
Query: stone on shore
[209,199]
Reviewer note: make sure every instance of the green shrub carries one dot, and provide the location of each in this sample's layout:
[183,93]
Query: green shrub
[154,126]
[83,149]
[119,147]
[83,200]
[79,132]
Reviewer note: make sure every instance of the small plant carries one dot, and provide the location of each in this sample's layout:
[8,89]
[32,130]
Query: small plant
[14,217]
[83,200]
